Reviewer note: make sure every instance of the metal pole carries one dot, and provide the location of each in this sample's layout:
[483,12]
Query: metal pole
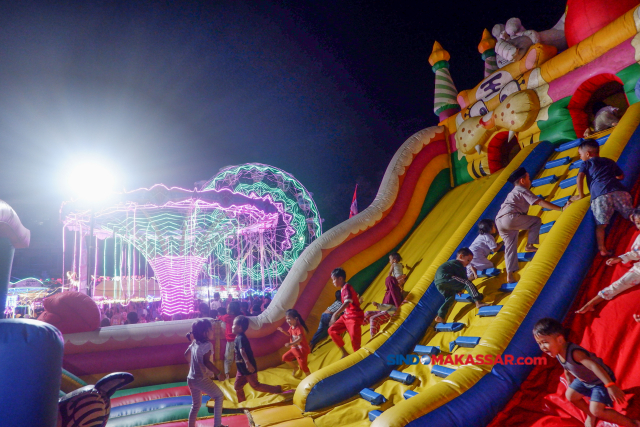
[262,258]
[90,255]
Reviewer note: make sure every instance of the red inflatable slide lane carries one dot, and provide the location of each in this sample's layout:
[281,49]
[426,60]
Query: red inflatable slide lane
[609,331]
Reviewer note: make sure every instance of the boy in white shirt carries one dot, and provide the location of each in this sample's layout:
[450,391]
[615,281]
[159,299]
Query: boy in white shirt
[630,279]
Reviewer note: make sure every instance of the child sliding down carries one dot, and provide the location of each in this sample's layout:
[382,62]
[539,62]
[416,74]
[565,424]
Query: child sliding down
[451,279]
[298,346]
[586,374]
[630,279]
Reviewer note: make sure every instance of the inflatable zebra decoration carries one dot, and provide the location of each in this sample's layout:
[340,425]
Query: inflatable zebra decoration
[90,405]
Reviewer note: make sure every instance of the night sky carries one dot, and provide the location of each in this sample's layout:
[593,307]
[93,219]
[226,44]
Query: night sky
[172,91]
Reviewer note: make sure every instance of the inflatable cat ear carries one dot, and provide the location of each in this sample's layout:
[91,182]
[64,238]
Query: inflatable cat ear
[90,406]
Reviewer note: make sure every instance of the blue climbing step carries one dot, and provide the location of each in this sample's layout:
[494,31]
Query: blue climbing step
[569,145]
[441,371]
[467,342]
[464,298]
[559,202]
[373,397]
[427,349]
[374,414]
[546,227]
[402,377]
[409,394]
[489,272]
[569,182]
[525,256]
[489,310]
[449,327]
[576,164]
[508,287]
[544,181]
[573,144]
[558,162]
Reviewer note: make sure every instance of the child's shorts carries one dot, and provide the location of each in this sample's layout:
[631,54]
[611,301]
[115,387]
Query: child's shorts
[605,205]
[596,393]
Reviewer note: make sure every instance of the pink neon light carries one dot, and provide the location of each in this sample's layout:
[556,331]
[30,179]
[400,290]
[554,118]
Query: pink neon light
[177,276]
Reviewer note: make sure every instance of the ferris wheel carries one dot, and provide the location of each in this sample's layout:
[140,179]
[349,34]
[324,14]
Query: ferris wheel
[259,257]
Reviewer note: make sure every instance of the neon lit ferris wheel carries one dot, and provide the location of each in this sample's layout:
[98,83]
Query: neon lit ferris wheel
[244,228]
[261,258]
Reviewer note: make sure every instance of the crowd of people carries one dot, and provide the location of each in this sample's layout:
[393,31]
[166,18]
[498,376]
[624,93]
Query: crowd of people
[115,314]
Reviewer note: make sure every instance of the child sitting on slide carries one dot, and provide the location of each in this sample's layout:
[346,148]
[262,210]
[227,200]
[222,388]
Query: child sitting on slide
[630,279]
[298,346]
[586,374]
[481,247]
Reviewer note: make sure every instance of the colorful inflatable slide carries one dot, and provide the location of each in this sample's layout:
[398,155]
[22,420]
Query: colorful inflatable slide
[530,112]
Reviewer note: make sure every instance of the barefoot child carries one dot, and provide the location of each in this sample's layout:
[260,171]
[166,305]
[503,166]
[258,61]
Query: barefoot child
[246,363]
[481,247]
[379,317]
[630,279]
[513,217]
[393,294]
[199,354]
[607,192]
[451,279]
[323,328]
[298,347]
[586,374]
[233,310]
[353,315]
[392,297]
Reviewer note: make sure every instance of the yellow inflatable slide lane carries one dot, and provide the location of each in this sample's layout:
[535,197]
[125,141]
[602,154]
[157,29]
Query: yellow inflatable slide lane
[422,247]
[454,216]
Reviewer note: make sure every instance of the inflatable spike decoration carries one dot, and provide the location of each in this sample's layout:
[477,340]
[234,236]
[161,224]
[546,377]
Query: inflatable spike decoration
[487,49]
[90,406]
[445,103]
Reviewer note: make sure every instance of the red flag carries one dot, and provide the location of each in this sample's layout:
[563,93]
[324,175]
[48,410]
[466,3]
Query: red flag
[354,204]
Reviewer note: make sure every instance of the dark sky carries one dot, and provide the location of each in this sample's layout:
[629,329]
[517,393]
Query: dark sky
[172,91]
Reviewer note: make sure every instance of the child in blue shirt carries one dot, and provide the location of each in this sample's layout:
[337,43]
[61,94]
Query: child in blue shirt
[607,192]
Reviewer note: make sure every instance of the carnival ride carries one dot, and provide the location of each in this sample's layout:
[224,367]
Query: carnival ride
[440,183]
[243,230]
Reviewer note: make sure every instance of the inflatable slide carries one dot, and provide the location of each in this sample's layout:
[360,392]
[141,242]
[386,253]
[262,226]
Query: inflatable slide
[530,112]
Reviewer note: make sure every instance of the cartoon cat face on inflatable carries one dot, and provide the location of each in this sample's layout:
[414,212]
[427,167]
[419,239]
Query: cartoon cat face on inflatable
[515,113]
